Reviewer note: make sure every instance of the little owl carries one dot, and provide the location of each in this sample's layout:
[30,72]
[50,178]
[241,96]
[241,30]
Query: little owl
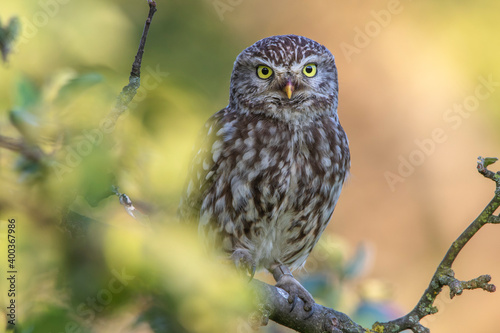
[269,168]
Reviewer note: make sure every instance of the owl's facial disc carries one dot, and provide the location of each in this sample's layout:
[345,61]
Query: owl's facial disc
[285,77]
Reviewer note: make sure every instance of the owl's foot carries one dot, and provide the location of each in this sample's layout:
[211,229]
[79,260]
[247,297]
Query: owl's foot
[244,262]
[286,281]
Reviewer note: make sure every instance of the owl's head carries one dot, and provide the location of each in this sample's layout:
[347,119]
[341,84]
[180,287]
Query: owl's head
[288,77]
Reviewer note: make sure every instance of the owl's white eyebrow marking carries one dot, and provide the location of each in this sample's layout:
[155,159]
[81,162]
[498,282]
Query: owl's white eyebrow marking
[261,61]
[312,58]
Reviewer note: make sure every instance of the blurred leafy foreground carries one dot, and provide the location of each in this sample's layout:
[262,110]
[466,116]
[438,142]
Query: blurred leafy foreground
[85,265]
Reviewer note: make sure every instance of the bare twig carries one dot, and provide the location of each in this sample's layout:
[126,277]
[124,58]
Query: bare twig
[457,286]
[130,90]
[11,143]
[32,152]
[482,167]
[322,319]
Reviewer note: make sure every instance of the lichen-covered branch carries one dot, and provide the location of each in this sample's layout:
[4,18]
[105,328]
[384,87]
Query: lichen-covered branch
[274,304]
[457,287]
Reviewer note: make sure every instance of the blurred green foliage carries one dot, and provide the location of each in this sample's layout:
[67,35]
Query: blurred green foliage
[86,265]
[8,34]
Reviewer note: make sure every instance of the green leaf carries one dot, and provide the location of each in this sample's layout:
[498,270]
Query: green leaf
[369,312]
[317,284]
[162,317]
[52,318]
[77,85]
[29,171]
[357,264]
[8,34]
[12,30]
[27,93]
[26,123]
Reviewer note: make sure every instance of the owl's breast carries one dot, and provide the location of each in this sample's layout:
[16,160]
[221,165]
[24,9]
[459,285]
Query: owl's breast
[274,186]
[310,162]
[295,180]
[273,167]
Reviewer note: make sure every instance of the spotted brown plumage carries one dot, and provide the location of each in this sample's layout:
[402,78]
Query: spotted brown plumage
[269,168]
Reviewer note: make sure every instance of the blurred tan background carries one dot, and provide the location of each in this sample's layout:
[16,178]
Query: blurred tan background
[414,100]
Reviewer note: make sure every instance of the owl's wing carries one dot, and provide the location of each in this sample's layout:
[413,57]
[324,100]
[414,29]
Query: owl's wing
[202,170]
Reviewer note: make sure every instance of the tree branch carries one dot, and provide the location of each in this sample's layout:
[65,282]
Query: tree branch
[32,152]
[130,90]
[274,304]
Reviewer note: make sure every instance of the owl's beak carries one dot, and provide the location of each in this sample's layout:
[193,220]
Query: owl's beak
[289,88]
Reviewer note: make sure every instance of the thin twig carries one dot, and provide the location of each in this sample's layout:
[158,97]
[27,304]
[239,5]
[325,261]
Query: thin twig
[18,145]
[11,143]
[136,66]
[130,90]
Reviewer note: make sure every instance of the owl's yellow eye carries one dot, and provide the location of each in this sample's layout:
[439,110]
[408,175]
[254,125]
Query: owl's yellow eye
[264,72]
[309,70]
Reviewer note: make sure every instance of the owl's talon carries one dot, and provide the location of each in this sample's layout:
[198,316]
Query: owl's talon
[244,262]
[293,302]
[286,281]
[252,272]
[310,314]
